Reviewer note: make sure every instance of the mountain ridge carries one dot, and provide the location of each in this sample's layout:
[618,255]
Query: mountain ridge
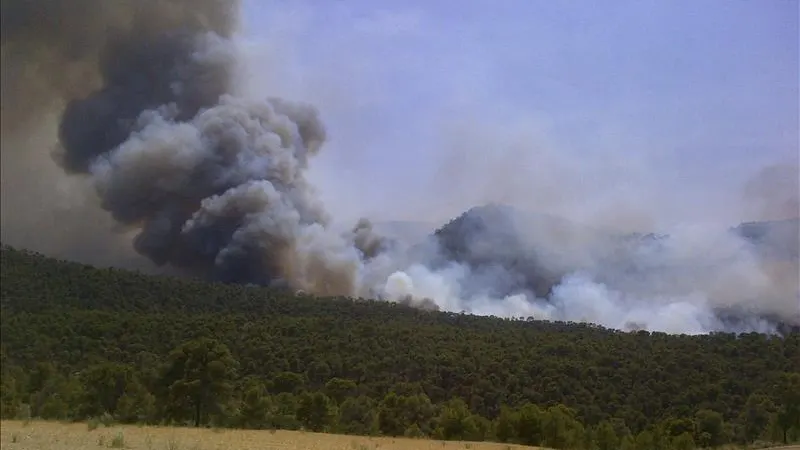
[536,252]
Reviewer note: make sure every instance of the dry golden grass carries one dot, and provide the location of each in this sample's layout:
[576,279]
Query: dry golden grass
[57,436]
[39,435]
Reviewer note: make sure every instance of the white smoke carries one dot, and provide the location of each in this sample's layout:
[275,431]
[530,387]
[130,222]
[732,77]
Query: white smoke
[260,151]
[683,283]
[577,299]
[214,179]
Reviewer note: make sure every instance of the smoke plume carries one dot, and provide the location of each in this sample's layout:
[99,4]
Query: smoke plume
[497,260]
[59,51]
[213,184]
[137,101]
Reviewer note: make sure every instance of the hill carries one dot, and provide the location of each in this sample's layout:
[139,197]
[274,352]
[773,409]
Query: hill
[78,341]
[740,278]
[776,239]
[525,246]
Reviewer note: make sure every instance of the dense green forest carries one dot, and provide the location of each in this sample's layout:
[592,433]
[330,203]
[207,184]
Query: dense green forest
[80,342]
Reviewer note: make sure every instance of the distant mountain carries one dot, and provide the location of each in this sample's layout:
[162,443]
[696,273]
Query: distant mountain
[777,239]
[493,241]
[521,250]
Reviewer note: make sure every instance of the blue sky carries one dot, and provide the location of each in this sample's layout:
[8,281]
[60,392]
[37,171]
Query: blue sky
[645,111]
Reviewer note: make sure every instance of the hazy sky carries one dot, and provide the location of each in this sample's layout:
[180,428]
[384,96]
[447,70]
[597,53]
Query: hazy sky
[654,110]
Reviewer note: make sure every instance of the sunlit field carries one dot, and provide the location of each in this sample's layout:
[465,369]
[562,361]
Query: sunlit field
[39,435]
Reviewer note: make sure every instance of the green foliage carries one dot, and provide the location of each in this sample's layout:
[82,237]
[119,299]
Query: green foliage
[709,428]
[530,424]
[339,389]
[80,342]
[628,443]
[646,440]
[560,429]
[104,385]
[60,398]
[456,422]
[413,431]
[507,424]
[316,411]
[788,394]
[10,401]
[136,404]
[287,382]
[755,417]
[396,413]
[606,437]
[198,376]
[255,406]
[358,415]
[283,413]
[683,441]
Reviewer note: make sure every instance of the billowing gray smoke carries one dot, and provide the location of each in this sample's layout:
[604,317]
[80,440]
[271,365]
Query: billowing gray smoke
[213,184]
[140,101]
[57,51]
[495,259]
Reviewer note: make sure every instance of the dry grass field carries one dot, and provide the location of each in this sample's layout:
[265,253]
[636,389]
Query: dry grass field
[57,436]
[40,435]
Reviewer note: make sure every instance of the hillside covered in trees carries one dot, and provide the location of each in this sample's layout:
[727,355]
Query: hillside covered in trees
[80,342]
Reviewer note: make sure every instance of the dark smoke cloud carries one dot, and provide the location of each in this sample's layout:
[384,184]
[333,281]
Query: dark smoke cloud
[210,183]
[56,50]
[53,52]
[138,99]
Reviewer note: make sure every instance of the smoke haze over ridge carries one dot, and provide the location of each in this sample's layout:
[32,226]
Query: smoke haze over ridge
[181,136]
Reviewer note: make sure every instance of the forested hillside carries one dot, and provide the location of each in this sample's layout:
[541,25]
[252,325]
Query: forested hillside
[80,342]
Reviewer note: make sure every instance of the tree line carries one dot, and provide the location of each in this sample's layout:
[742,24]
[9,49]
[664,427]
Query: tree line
[80,342]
